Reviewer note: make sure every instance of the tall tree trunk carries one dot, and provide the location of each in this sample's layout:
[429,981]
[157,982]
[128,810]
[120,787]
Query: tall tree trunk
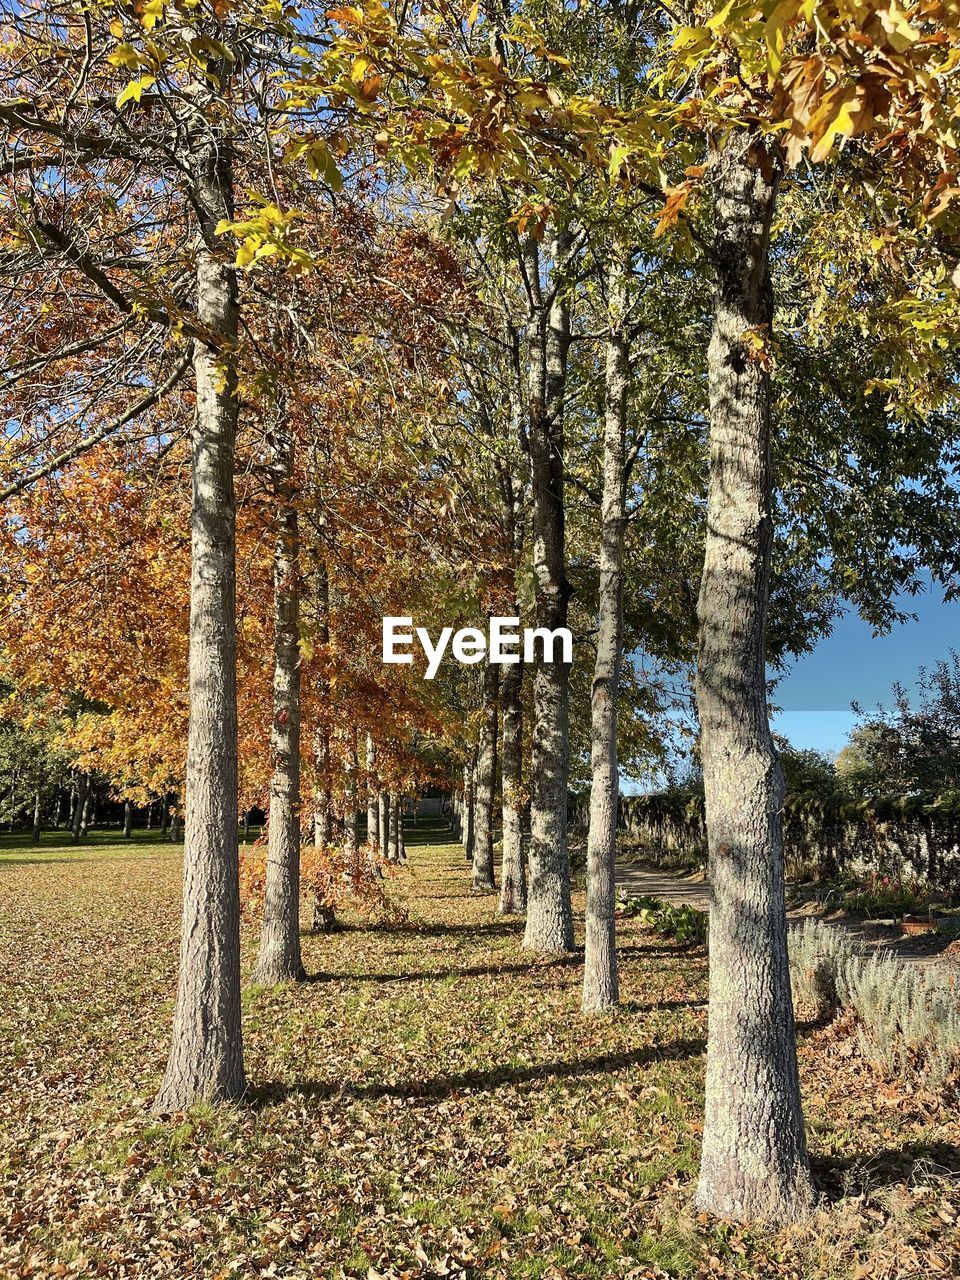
[175,818]
[373,812]
[394,837]
[754,1160]
[79,829]
[86,810]
[127,819]
[279,959]
[58,810]
[469,809]
[549,913]
[165,813]
[206,1053]
[385,824]
[486,782]
[36,817]
[350,797]
[600,984]
[513,872]
[322,830]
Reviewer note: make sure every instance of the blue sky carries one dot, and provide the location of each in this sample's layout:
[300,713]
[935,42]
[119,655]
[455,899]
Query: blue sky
[853,665]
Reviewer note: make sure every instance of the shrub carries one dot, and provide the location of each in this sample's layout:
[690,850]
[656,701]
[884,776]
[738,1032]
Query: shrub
[907,1019]
[330,879]
[681,921]
[818,954]
[881,895]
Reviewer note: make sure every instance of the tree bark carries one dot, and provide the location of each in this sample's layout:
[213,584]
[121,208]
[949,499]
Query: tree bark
[486,782]
[469,796]
[373,812]
[36,818]
[394,837]
[385,825]
[127,819]
[165,813]
[549,914]
[513,872]
[754,1160]
[601,989]
[280,959]
[322,832]
[206,1053]
[350,798]
[79,805]
[175,818]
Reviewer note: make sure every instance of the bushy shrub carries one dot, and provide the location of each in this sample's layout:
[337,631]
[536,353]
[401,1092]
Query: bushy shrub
[880,896]
[907,1018]
[818,955]
[680,921]
[331,879]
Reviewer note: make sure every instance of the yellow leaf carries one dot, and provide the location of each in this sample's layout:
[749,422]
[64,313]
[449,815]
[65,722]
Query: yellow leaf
[134,90]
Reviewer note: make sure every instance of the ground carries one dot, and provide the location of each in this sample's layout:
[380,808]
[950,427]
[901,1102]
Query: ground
[432,1103]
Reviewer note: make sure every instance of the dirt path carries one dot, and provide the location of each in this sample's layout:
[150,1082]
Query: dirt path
[640,880]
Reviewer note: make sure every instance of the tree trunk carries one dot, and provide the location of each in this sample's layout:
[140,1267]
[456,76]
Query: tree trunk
[486,782]
[165,813]
[394,837]
[36,817]
[373,812]
[469,796]
[549,913]
[385,825]
[600,984]
[754,1160]
[58,810]
[322,832]
[77,828]
[150,816]
[513,872]
[279,958]
[175,818]
[127,820]
[401,842]
[350,799]
[206,1053]
[322,829]
[85,812]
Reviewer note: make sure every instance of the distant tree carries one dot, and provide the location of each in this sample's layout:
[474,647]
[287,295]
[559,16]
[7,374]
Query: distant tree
[914,745]
[805,770]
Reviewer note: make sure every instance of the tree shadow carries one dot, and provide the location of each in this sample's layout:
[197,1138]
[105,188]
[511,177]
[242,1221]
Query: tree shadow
[481,1080]
[844,1176]
[661,1006]
[442,975]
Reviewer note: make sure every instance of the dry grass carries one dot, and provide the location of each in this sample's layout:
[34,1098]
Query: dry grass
[431,1104]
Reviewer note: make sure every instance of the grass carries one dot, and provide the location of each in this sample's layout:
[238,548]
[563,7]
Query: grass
[431,1104]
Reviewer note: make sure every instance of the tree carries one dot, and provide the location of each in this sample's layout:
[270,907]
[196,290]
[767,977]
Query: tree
[280,957]
[754,1159]
[486,778]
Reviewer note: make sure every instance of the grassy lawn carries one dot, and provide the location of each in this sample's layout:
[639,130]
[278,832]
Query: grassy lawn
[431,1104]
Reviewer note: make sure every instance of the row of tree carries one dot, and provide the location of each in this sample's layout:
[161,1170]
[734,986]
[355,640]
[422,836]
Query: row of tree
[417,312]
